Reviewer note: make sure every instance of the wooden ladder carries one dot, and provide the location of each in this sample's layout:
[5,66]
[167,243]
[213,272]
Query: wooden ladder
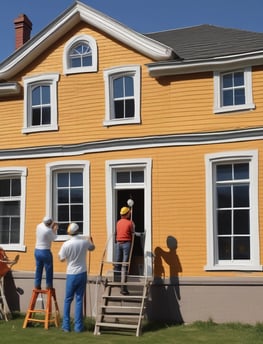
[123,312]
[44,315]
[4,309]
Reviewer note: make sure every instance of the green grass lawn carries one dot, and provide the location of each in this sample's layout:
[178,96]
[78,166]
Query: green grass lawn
[199,332]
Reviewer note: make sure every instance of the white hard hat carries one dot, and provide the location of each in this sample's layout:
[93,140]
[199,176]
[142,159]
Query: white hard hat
[72,228]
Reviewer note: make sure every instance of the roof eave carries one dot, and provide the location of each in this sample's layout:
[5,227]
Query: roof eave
[205,65]
[76,13]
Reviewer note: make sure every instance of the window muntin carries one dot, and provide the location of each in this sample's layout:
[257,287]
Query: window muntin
[12,208]
[233,91]
[122,90]
[232,211]
[80,55]
[40,103]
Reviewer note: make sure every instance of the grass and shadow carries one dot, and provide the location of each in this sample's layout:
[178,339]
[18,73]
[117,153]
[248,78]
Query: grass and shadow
[198,332]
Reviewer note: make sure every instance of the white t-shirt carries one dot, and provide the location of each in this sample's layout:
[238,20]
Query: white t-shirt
[44,237]
[75,252]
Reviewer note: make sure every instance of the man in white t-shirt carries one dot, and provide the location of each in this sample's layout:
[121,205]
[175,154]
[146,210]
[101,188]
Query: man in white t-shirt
[46,232]
[74,251]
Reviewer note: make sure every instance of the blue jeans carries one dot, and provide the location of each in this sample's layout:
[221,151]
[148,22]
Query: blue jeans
[122,255]
[44,259]
[75,286]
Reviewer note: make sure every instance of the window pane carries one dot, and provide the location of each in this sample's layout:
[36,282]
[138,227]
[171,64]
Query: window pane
[224,248]
[63,213]
[223,196]
[16,187]
[15,230]
[36,116]
[227,80]
[76,196]
[119,108]
[241,222]
[87,61]
[76,213]
[129,86]
[224,222]
[8,208]
[123,177]
[63,179]
[129,108]
[63,196]
[224,172]
[118,91]
[241,195]
[228,98]
[137,177]
[45,95]
[46,115]
[241,248]
[241,171]
[76,179]
[4,187]
[239,79]
[240,96]
[36,96]
[75,62]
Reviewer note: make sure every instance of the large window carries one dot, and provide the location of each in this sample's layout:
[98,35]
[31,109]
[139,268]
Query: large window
[233,90]
[122,90]
[68,194]
[40,103]
[232,215]
[80,55]
[12,207]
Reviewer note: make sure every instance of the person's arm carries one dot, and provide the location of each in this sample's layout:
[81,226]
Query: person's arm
[91,244]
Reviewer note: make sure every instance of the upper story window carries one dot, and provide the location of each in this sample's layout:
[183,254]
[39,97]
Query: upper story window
[40,103]
[232,211]
[122,90]
[80,55]
[233,91]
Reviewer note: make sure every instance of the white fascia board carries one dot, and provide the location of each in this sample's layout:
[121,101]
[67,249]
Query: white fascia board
[65,22]
[216,64]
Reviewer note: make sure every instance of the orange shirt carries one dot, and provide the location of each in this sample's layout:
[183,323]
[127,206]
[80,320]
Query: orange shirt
[124,229]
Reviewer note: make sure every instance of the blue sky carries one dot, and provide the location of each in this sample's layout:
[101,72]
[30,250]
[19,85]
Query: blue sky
[141,15]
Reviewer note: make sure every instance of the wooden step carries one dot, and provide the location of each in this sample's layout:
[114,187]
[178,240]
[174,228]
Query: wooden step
[116,325]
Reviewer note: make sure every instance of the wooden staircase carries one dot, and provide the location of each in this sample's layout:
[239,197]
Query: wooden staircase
[122,312]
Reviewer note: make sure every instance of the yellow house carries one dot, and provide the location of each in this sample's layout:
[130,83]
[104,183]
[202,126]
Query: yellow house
[94,113]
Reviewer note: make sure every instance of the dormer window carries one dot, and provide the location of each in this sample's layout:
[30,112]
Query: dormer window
[80,55]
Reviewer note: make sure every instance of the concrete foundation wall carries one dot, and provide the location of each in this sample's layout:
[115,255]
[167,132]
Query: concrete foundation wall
[193,299]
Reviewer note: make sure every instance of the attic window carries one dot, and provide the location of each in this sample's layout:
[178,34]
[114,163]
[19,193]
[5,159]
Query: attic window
[80,55]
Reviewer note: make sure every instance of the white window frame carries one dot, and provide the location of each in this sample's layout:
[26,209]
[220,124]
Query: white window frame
[229,157]
[29,83]
[93,45]
[69,165]
[109,74]
[21,172]
[249,105]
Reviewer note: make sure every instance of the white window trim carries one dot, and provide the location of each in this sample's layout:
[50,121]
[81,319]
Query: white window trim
[249,105]
[254,263]
[38,79]
[111,167]
[134,70]
[69,164]
[93,45]
[22,173]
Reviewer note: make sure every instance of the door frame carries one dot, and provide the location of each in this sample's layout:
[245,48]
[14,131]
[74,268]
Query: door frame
[111,167]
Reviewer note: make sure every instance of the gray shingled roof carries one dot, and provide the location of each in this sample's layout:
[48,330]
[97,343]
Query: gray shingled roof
[208,41]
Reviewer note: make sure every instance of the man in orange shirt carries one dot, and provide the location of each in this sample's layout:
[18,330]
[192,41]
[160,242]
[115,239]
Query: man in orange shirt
[124,235]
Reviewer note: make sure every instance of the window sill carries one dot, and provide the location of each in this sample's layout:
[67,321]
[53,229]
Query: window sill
[246,107]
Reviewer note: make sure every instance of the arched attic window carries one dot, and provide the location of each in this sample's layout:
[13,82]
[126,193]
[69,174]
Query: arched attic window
[80,55]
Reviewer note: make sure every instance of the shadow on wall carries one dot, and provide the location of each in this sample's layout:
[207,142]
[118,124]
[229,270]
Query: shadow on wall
[165,291]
